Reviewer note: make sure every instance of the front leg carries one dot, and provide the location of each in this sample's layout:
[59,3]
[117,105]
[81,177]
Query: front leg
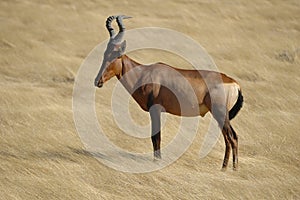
[155,132]
[155,111]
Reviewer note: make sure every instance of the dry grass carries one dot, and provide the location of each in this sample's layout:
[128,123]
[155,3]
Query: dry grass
[42,45]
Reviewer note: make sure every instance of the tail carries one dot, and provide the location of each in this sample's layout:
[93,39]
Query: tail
[237,106]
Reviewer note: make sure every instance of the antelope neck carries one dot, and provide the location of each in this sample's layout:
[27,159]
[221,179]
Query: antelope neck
[129,81]
[127,65]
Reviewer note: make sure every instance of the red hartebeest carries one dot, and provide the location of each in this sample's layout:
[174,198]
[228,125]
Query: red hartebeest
[158,84]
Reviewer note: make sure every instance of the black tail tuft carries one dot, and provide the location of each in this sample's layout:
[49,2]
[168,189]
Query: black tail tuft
[237,106]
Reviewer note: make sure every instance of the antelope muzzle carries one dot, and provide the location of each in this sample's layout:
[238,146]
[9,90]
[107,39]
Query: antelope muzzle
[99,83]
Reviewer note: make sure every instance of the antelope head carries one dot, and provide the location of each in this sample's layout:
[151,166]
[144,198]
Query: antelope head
[111,64]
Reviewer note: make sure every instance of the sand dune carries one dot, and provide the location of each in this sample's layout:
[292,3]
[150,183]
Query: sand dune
[42,46]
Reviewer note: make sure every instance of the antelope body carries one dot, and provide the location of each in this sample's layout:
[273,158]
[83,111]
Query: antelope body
[162,88]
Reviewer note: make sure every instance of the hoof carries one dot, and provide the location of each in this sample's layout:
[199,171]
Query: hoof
[223,169]
[157,158]
[157,155]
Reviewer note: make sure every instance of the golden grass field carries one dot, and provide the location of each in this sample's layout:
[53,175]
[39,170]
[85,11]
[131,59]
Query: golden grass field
[43,44]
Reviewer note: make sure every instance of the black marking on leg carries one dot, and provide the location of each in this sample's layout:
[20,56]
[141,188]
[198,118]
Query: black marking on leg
[234,133]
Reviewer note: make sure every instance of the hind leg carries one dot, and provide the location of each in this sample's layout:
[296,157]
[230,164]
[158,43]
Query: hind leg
[220,113]
[221,116]
[227,150]
[234,146]
[231,140]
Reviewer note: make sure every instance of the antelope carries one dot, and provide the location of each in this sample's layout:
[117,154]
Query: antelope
[154,88]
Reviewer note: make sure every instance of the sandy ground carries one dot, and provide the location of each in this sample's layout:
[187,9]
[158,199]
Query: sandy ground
[42,45]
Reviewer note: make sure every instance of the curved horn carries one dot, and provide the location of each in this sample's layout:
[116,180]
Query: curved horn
[120,35]
[120,22]
[108,25]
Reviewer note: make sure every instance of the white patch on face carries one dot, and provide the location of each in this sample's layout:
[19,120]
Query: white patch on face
[232,93]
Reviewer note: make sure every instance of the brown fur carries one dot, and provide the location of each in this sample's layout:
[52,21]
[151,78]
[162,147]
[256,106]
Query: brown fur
[154,79]
[161,88]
